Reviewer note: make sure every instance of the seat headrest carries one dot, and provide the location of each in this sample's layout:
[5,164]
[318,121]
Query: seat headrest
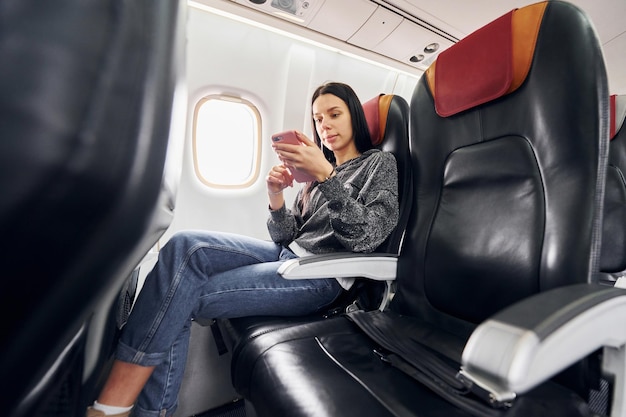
[618,113]
[376,111]
[487,64]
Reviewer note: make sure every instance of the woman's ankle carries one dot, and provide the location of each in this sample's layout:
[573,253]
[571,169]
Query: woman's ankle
[97,413]
[110,410]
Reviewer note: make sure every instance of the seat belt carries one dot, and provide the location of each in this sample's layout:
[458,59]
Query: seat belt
[422,364]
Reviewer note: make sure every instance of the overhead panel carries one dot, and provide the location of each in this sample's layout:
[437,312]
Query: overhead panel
[411,44]
[380,24]
[342,18]
[373,25]
[297,11]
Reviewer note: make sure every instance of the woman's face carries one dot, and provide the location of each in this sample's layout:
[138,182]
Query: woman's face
[333,123]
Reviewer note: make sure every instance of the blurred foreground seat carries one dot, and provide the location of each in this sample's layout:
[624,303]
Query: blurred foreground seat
[90,93]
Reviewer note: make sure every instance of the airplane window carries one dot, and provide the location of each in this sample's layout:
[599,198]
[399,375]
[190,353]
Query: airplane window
[226,141]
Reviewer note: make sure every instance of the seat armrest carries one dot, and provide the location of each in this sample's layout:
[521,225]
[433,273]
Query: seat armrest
[376,266]
[531,341]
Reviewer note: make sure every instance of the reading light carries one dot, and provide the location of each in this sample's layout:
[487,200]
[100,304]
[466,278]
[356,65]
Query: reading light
[430,48]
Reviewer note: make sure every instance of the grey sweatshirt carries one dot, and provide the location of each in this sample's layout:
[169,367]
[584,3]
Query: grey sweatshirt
[354,211]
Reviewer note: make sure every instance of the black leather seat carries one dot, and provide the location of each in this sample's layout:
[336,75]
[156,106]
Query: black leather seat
[388,121]
[86,102]
[497,292]
[613,257]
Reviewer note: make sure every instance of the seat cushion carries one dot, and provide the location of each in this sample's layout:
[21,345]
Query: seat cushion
[330,368]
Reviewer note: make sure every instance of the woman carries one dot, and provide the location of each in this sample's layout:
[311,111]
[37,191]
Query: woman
[352,206]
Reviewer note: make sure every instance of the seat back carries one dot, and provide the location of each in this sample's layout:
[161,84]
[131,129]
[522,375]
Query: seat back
[613,257]
[86,103]
[387,118]
[388,121]
[508,173]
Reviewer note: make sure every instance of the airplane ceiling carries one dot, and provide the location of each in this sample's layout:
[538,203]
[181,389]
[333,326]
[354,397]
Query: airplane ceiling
[371,25]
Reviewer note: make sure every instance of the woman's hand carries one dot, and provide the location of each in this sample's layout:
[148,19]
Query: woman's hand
[277,180]
[308,158]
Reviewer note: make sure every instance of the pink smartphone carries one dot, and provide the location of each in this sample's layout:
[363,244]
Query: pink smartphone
[289,136]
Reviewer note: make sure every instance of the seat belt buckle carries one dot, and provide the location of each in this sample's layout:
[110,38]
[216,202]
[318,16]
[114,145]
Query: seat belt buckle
[493,398]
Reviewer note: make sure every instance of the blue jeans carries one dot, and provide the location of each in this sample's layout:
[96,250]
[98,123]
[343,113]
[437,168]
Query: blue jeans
[207,275]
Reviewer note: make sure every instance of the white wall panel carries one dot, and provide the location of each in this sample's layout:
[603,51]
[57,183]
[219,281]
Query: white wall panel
[276,73]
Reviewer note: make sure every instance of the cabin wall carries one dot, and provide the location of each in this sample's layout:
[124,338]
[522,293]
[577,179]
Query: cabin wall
[278,74]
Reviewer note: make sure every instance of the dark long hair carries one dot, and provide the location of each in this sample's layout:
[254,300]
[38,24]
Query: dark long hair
[362,139]
[361,133]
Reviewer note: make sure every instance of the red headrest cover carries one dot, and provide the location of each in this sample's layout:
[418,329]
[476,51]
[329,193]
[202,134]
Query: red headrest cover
[618,113]
[376,111]
[487,64]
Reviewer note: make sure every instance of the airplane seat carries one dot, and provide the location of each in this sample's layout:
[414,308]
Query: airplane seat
[497,286]
[388,121]
[613,255]
[387,117]
[90,92]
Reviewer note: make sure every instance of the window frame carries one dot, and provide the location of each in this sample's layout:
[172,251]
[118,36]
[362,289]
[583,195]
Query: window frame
[256,158]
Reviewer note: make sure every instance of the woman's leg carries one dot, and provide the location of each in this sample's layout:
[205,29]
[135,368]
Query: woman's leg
[124,383]
[258,290]
[201,274]
[157,330]
[254,289]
